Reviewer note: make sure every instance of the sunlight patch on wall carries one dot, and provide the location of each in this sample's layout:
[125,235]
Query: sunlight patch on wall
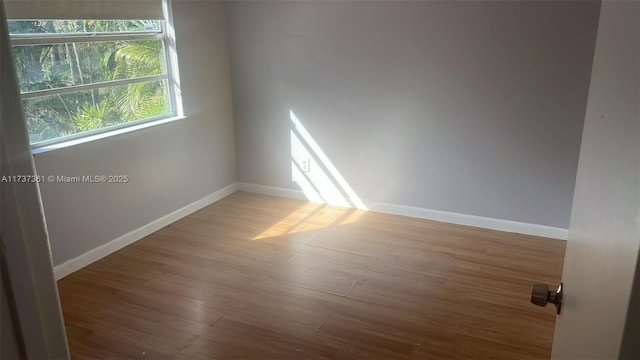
[322,184]
[316,175]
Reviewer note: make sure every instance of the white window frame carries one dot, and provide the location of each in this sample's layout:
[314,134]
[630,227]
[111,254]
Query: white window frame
[166,34]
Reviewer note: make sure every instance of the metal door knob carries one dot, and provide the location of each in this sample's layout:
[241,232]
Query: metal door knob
[541,296]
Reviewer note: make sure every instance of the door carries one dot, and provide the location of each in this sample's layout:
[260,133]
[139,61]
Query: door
[604,234]
[34,329]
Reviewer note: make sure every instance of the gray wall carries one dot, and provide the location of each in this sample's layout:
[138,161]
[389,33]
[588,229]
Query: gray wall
[169,165]
[468,107]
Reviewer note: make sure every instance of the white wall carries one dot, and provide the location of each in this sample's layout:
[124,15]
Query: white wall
[169,166]
[467,107]
[604,235]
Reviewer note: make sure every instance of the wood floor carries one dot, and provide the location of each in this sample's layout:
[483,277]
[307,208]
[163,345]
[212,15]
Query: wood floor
[258,277]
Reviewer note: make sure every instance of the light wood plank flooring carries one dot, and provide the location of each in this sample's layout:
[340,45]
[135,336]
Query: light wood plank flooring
[258,277]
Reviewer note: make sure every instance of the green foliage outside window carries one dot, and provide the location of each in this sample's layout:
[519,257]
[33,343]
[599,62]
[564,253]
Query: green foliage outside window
[58,66]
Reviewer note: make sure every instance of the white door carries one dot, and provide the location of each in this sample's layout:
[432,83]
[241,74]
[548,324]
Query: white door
[29,291]
[604,235]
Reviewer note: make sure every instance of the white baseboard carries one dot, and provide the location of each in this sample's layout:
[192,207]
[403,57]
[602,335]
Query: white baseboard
[471,220]
[98,253]
[429,214]
[272,191]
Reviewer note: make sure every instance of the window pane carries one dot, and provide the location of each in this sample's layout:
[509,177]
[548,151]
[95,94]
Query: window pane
[53,66]
[81,26]
[50,117]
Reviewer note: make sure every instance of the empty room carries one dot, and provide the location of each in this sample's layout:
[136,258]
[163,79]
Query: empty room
[199,179]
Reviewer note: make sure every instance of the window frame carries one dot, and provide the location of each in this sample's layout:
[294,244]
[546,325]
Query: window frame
[165,34]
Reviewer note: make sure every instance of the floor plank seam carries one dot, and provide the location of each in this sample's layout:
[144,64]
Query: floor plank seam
[351,288]
[325,320]
[318,290]
[342,251]
[334,262]
[216,320]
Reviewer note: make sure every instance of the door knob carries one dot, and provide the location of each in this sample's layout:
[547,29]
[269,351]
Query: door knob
[541,295]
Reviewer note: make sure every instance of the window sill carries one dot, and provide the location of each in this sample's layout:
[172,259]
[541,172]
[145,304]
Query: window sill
[64,144]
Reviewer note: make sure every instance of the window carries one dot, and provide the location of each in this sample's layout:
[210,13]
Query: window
[82,77]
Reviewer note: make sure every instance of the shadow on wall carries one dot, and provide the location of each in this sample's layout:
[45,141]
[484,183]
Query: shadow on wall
[316,175]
